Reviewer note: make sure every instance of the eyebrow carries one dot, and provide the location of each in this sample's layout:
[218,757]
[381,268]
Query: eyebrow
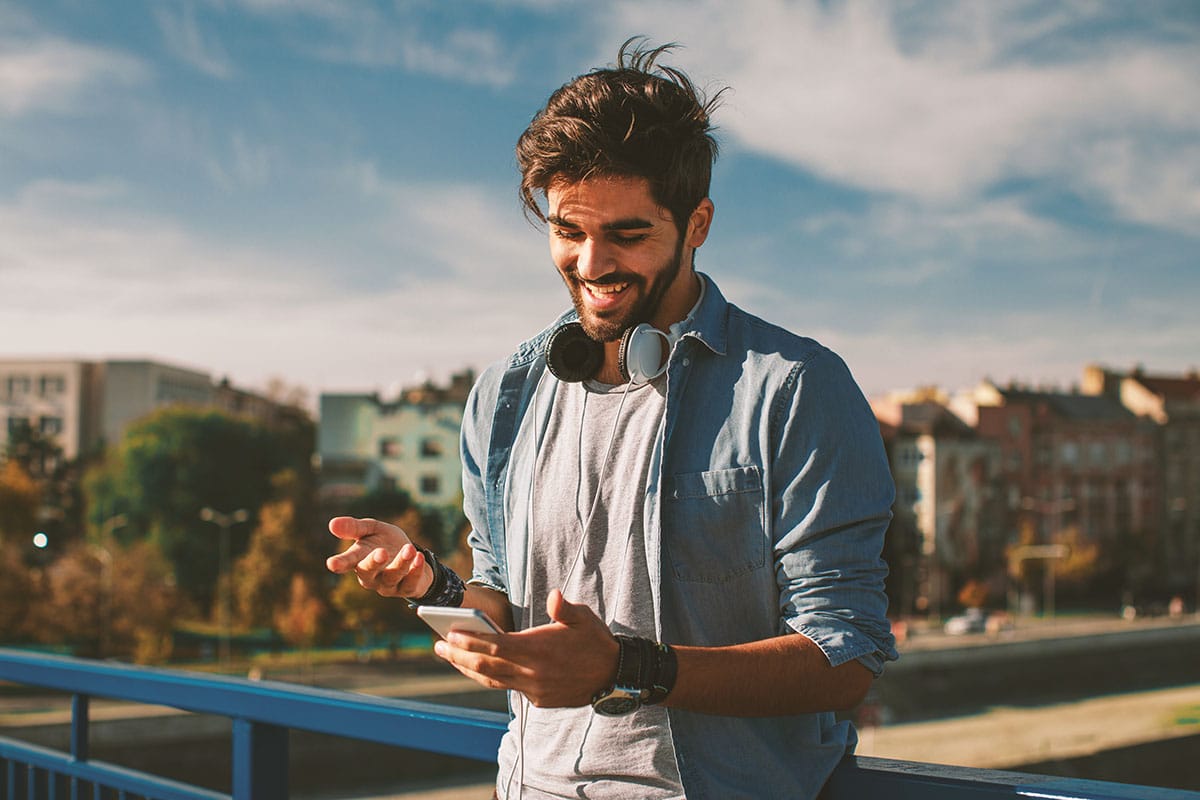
[624,224]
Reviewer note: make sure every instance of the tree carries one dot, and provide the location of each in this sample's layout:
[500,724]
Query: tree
[59,499]
[110,600]
[20,498]
[304,620]
[177,461]
[17,595]
[282,546]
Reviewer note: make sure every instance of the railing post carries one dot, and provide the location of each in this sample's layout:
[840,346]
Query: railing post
[79,727]
[260,761]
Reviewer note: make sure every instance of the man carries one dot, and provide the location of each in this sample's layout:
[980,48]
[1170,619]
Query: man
[680,527]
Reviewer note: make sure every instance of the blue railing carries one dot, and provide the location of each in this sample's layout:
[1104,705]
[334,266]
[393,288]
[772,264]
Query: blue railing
[263,712]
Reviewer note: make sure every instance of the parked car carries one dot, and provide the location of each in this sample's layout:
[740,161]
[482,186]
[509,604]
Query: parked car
[973,620]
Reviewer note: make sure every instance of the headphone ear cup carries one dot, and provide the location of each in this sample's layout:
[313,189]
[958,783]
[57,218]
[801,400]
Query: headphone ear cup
[572,355]
[641,358]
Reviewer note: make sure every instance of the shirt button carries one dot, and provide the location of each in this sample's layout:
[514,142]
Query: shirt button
[687,361]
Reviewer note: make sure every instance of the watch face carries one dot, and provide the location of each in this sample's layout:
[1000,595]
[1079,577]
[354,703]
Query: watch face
[617,702]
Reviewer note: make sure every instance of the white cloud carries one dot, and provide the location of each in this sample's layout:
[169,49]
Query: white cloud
[249,164]
[51,74]
[84,277]
[945,111]
[359,34]
[189,44]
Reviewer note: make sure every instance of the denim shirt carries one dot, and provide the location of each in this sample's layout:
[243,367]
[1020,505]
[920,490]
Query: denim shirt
[766,506]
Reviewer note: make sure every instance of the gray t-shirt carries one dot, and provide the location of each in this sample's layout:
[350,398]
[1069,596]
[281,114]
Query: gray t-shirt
[574,752]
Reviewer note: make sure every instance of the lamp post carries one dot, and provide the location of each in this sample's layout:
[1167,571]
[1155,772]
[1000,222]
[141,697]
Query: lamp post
[224,522]
[1049,552]
[101,550]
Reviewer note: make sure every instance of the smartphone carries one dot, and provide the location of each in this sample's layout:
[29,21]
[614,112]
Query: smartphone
[444,619]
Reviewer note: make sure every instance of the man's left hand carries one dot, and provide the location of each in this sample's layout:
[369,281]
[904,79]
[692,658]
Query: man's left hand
[561,664]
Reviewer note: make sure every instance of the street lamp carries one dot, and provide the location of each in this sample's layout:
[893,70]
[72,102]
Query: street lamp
[102,551]
[225,522]
[1048,552]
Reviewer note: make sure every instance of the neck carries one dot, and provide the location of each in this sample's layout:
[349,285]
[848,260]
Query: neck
[678,302]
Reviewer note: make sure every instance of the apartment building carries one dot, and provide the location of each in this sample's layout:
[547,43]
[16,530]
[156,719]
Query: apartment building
[411,443]
[1072,460]
[1172,403]
[56,397]
[86,404]
[946,493]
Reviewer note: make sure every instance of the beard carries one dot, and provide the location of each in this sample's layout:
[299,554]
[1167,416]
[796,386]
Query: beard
[610,327]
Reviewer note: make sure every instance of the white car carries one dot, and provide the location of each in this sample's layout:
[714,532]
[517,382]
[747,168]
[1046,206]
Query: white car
[974,620]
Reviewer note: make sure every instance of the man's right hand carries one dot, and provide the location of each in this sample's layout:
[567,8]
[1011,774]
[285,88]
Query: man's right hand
[382,557]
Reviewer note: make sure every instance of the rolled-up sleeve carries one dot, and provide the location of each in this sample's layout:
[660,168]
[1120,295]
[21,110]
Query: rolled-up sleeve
[832,493]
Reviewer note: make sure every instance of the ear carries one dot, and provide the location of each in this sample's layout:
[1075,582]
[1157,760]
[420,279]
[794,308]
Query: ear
[699,223]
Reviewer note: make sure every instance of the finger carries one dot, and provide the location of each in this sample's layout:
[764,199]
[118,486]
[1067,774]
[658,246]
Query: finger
[482,680]
[475,656]
[372,563]
[352,527]
[347,559]
[342,562]
[407,559]
[561,611]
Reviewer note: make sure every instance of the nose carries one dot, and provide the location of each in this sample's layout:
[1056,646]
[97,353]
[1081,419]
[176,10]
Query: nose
[593,260]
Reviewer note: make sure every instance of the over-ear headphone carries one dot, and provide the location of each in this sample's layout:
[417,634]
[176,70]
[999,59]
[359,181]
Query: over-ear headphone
[573,356]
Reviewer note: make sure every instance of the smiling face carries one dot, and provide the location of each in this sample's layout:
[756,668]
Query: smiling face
[621,255]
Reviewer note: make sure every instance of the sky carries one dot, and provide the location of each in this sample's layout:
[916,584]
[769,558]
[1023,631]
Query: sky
[325,192]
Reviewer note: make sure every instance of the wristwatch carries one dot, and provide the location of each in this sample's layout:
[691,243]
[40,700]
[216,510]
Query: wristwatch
[624,696]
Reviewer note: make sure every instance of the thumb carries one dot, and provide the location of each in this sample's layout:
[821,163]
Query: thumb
[563,612]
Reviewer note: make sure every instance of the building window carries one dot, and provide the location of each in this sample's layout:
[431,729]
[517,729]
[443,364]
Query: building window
[17,426]
[431,448]
[51,385]
[389,447]
[18,385]
[430,484]
[50,426]
[1069,453]
[1014,427]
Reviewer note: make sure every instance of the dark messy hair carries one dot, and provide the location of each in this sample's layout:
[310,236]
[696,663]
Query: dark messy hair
[636,119]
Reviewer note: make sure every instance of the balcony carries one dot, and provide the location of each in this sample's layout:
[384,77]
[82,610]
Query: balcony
[262,714]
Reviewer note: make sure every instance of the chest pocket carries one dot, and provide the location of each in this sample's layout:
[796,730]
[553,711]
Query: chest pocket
[714,525]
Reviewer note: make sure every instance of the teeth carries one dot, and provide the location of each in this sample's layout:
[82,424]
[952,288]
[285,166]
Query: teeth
[607,288]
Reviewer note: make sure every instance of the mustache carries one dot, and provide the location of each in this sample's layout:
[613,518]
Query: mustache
[605,280]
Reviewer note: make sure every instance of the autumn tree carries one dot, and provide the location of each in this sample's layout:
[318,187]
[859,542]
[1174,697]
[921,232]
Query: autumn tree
[304,620]
[177,461]
[286,543]
[17,595]
[20,498]
[59,494]
[110,601]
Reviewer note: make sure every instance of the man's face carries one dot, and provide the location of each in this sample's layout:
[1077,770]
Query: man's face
[619,254]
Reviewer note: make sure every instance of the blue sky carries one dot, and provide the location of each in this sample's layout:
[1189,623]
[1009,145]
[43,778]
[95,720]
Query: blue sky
[325,192]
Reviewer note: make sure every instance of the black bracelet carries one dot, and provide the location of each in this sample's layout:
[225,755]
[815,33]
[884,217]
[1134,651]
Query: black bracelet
[447,588]
[665,669]
[647,666]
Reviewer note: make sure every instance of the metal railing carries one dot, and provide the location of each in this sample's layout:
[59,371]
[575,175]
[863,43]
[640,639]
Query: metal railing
[264,712]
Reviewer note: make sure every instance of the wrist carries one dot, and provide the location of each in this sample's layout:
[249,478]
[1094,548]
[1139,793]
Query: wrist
[445,587]
[644,675]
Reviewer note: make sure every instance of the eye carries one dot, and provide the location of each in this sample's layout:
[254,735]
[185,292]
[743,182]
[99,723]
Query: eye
[568,234]
[628,238]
